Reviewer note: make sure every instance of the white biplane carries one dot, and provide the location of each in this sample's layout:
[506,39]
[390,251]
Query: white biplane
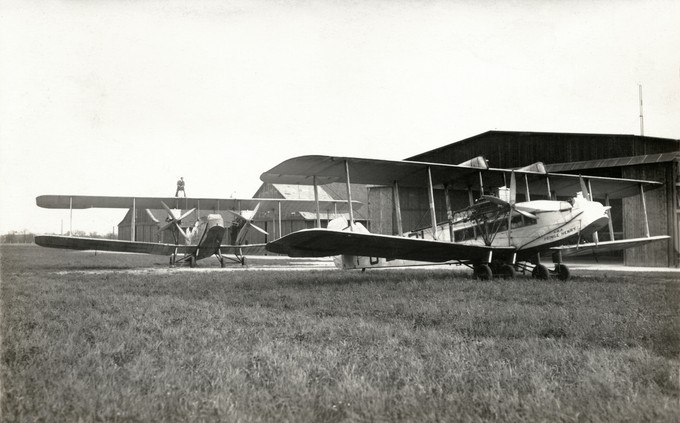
[191,243]
[494,234]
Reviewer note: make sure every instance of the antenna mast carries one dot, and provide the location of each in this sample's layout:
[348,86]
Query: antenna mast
[642,119]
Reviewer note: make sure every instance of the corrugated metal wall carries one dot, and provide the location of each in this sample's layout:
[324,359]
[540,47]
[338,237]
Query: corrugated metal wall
[661,213]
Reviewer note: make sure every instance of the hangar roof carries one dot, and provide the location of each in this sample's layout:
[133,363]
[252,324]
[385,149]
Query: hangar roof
[513,149]
[614,162]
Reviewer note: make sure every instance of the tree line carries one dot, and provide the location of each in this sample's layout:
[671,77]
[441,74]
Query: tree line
[25,237]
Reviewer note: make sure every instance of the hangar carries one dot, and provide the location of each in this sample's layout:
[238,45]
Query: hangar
[612,155]
[621,156]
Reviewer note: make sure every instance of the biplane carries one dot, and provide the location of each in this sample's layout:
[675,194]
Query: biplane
[494,234]
[190,243]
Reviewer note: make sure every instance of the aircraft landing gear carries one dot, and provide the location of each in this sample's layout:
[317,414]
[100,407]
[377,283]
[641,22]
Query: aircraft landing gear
[540,272]
[507,271]
[483,272]
[562,271]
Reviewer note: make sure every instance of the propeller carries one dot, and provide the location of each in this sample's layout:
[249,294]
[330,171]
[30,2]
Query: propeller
[248,224]
[513,199]
[174,220]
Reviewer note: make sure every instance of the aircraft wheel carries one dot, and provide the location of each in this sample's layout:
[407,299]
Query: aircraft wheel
[483,272]
[243,261]
[222,264]
[507,272]
[192,262]
[562,272]
[540,272]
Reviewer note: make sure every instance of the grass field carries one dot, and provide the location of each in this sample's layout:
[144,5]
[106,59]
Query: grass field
[89,338]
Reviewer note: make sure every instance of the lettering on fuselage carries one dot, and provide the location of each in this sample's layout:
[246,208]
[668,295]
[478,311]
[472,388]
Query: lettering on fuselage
[560,233]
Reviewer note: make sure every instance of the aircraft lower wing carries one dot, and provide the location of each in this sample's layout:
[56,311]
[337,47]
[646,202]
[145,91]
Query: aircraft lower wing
[98,244]
[606,246]
[325,242]
[77,243]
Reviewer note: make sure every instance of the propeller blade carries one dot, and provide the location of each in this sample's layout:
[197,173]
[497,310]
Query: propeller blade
[526,214]
[257,207]
[513,188]
[181,231]
[171,214]
[235,214]
[185,215]
[152,216]
[584,188]
[257,228]
[166,226]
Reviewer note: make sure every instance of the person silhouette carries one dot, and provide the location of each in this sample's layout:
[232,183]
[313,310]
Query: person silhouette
[180,187]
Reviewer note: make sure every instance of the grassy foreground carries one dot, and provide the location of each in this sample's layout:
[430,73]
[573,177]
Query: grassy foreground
[330,346]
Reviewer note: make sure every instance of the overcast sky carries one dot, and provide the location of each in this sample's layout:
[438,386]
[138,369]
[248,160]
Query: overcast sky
[123,97]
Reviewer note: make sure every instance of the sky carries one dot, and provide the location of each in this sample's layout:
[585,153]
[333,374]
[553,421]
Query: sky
[122,98]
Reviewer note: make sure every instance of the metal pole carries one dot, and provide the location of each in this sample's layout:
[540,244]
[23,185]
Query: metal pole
[472,202]
[397,207]
[273,223]
[316,201]
[526,183]
[349,198]
[430,193]
[481,184]
[644,210]
[280,219]
[609,213]
[642,119]
[449,212]
[596,237]
[70,206]
[134,220]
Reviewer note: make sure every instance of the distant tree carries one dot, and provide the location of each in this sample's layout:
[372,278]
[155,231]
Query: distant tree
[16,237]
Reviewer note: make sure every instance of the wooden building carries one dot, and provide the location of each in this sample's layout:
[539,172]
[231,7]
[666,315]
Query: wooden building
[294,220]
[621,156]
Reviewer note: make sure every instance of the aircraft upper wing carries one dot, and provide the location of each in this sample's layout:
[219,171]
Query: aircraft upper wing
[216,204]
[328,169]
[327,242]
[605,246]
[77,243]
